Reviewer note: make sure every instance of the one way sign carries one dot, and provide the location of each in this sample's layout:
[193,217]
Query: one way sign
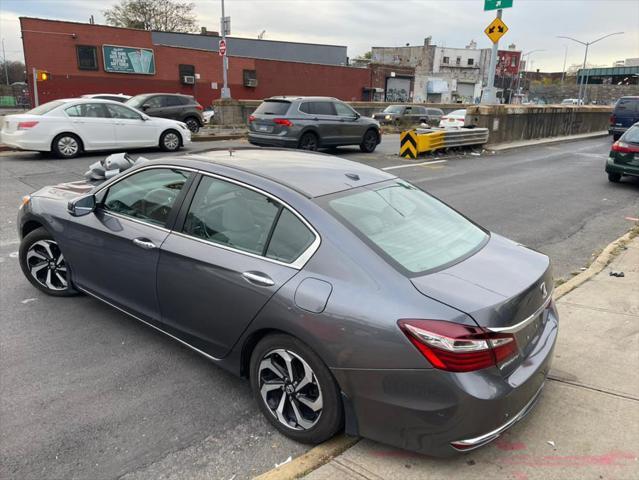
[496,30]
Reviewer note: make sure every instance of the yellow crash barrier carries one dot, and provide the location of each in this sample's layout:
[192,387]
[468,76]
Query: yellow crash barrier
[414,142]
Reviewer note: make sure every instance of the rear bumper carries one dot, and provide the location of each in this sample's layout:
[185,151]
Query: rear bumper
[272,140]
[441,413]
[25,140]
[621,168]
[612,130]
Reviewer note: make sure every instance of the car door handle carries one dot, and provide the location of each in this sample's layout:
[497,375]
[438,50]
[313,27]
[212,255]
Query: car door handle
[144,243]
[259,278]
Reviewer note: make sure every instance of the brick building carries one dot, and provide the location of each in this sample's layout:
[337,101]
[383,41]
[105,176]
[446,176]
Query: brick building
[86,58]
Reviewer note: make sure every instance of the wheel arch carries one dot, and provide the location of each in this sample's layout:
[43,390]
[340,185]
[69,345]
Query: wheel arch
[250,342]
[29,226]
[67,132]
[171,129]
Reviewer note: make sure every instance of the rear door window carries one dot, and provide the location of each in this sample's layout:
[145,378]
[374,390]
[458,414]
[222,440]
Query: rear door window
[323,108]
[290,238]
[174,101]
[272,107]
[88,110]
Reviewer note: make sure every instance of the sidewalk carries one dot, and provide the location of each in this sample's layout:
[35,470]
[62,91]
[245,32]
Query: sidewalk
[586,424]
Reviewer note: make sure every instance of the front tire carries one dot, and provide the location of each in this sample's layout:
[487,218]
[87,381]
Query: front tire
[170,141]
[66,145]
[614,177]
[44,265]
[295,390]
[369,142]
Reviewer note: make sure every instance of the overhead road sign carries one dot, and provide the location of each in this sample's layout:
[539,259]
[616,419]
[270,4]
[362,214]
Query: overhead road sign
[497,4]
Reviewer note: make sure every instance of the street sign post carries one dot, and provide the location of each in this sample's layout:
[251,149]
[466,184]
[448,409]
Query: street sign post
[222,47]
[496,30]
[225,23]
[497,4]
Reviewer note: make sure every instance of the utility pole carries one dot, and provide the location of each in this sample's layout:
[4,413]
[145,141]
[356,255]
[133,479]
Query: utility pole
[490,94]
[583,79]
[563,71]
[4,60]
[35,88]
[226,92]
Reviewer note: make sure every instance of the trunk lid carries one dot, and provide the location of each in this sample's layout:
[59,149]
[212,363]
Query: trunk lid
[502,286]
[263,119]
[10,122]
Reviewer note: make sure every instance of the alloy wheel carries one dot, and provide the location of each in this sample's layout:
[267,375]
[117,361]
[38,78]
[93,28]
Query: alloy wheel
[68,146]
[193,125]
[171,141]
[370,141]
[309,142]
[46,265]
[290,389]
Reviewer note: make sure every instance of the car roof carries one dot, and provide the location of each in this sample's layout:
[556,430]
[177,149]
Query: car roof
[311,174]
[92,95]
[291,98]
[164,93]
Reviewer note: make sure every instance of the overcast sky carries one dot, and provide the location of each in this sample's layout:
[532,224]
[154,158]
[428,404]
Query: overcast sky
[360,24]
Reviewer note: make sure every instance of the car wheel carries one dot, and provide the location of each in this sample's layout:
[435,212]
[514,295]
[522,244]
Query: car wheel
[193,124]
[614,177]
[44,265]
[295,390]
[170,141]
[309,141]
[369,142]
[66,145]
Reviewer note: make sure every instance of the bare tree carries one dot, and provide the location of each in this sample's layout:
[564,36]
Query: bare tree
[13,69]
[163,15]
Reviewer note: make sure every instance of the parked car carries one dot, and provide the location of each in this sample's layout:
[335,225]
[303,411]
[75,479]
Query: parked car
[347,296]
[455,118]
[310,123]
[572,101]
[624,115]
[183,108]
[116,97]
[71,126]
[207,115]
[408,114]
[624,155]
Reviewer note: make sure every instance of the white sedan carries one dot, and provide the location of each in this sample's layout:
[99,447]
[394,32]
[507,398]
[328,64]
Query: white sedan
[455,118]
[68,127]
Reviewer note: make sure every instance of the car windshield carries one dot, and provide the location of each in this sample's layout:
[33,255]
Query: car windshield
[272,107]
[457,113]
[632,135]
[45,108]
[137,101]
[414,229]
[394,109]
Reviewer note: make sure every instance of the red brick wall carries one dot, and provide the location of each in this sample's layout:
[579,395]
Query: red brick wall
[49,45]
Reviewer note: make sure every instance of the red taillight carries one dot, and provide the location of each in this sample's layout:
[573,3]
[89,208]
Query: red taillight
[251,118]
[612,119]
[27,125]
[623,147]
[458,348]
[199,107]
[284,122]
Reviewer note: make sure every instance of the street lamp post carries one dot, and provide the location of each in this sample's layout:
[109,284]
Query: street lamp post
[527,54]
[226,92]
[582,83]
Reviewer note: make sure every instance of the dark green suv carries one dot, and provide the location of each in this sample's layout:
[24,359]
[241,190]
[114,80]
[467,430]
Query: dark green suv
[624,155]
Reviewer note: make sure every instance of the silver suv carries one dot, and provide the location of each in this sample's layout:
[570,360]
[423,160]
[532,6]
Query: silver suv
[310,123]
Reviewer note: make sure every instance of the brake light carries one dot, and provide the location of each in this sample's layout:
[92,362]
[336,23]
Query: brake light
[27,125]
[284,122]
[199,107]
[458,348]
[251,118]
[623,147]
[612,119]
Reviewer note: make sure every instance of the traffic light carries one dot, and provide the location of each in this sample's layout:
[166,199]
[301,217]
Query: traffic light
[42,75]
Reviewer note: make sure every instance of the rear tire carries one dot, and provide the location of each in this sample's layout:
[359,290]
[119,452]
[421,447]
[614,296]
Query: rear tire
[193,124]
[614,177]
[43,264]
[305,406]
[369,142]
[170,141]
[66,145]
[309,141]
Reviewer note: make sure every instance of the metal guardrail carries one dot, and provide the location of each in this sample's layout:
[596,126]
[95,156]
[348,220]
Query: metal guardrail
[414,142]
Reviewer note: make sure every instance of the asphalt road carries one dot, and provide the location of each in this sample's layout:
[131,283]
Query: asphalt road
[86,392]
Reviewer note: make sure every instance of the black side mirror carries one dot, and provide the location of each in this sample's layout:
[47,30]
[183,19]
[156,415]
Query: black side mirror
[82,206]
[145,107]
[357,116]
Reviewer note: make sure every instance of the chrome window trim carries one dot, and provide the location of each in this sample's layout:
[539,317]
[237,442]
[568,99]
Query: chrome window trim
[524,323]
[135,220]
[298,263]
[204,354]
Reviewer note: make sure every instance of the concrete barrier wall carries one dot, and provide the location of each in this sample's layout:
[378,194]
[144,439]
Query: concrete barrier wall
[236,112]
[512,123]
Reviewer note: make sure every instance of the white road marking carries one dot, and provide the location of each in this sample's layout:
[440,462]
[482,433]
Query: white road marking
[395,167]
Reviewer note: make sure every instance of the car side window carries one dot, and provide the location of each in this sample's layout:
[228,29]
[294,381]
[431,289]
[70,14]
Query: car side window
[408,110]
[174,102]
[119,111]
[231,215]
[343,110]
[306,107]
[148,195]
[87,110]
[290,238]
[155,102]
[323,108]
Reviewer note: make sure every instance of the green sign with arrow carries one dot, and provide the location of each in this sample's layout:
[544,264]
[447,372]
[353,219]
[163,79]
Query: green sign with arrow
[497,4]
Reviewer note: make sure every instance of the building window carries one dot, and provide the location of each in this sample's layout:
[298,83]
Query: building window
[250,78]
[471,62]
[513,61]
[87,57]
[458,61]
[446,60]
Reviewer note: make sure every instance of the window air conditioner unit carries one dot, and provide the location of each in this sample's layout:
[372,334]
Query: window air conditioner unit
[251,82]
[188,79]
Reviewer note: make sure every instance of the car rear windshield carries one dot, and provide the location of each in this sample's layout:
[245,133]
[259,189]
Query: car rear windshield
[45,108]
[631,136]
[272,107]
[408,226]
[457,113]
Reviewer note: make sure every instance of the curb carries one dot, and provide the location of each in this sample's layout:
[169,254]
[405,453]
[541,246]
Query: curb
[213,138]
[311,460]
[601,262]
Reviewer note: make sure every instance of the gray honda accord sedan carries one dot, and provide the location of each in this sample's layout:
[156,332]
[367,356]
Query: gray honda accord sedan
[349,298]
